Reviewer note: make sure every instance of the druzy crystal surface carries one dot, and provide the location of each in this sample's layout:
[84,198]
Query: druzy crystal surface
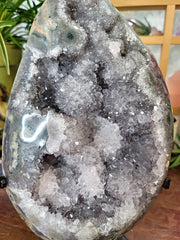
[89,126]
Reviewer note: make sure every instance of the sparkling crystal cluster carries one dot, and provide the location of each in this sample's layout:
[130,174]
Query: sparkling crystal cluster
[89,126]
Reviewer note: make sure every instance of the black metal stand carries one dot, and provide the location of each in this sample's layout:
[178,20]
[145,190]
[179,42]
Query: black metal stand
[3,180]
[166,183]
[122,238]
[1,168]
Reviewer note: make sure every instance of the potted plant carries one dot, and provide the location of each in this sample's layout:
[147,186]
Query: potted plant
[143,29]
[175,157]
[16,17]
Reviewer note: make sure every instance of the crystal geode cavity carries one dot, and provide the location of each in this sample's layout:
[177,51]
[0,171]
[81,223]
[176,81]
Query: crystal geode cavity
[89,126]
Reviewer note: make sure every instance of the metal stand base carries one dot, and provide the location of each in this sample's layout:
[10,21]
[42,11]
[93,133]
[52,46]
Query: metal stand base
[3,180]
[121,238]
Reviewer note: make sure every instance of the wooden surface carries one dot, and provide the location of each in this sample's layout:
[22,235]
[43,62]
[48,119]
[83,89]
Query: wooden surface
[161,222]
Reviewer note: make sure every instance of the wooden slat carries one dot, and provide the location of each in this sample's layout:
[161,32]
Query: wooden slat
[141,8]
[175,40]
[152,40]
[129,3]
[168,29]
[144,8]
[167,39]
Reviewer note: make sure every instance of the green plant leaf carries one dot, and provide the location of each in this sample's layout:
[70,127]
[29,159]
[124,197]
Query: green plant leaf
[4,53]
[17,3]
[175,163]
[14,40]
[139,27]
[6,24]
[176,151]
[178,136]
[18,12]
[176,144]
[173,159]
[28,2]
[16,17]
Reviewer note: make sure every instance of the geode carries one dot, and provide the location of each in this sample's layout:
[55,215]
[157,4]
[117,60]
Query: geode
[89,126]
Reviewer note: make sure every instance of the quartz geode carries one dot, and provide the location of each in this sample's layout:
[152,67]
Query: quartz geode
[89,126]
